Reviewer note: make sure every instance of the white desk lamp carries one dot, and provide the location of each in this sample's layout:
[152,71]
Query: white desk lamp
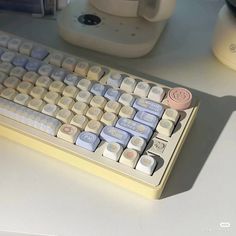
[126,28]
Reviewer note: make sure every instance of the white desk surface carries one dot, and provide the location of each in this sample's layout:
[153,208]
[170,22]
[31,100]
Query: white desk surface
[41,195]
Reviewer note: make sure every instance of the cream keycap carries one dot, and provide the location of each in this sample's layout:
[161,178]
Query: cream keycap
[165,127]
[56,59]
[22,99]
[137,143]
[79,121]
[18,72]
[127,112]
[70,91]
[69,63]
[84,84]
[113,106]
[94,126]
[52,97]
[146,164]
[1,88]
[38,92]
[98,101]
[109,118]
[31,77]
[26,48]
[3,76]
[11,82]
[66,103]
[68,132]
[95,73]
[43,81]
[36,104]
[84,96]
[128,84]
[50,109]
[94,113]
[24,87]
[126,99]
[113,151]
[8,93]
[6,67]
[57,86]
[80,108]
[156,94]
[171,114]
[142,89]
[64,115]
[129,157]
[82,68]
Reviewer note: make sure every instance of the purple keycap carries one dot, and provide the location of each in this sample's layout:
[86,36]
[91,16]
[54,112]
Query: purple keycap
[32,65]
[88,141]
[112,134]
[112,94]
[98,89]
[149,106]
[20,61]
[134,128]
[39,53]
[146,119]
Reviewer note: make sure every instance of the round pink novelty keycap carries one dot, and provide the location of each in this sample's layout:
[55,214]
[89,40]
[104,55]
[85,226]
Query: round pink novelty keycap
[179,98]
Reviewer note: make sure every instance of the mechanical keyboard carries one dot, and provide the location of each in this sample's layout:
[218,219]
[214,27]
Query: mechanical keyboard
[115,125]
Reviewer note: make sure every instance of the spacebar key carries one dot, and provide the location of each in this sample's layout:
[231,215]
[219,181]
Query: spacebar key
[29,117]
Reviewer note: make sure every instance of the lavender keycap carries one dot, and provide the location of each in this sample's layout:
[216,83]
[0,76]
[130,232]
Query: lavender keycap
[112,134]
[39,53]
[146,119]
[134,128]
[98,89]
[32,65]
[88,141]
[112,94]
[20,61]
[149,106]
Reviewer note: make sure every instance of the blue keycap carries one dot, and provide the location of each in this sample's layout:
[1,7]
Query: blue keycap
[146,119]
[71,79]
[112,94]
[39,53]
[58,74]
[20,61]
[149,106]
[98,89]
[134,128]
[112,134]
[32,65]
[88,141]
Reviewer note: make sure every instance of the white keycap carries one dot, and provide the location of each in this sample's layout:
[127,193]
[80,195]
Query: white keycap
[82,68]
[156,94]
[14,44]
[94,113]
[94,126]
[18,72]
[84,84]
[84,96]
[146,164]
[8,56]
[109,119]
[58,74]
[95,73]
[127,112]
[113,106]
[29,117]
[31,77]
[8,93]
[56,59]
[69,63]
[68,132]
[129,157]
[80,108]
[45,70]
[26,48]
[22,99]
[3,76]
[114,80]
[171,114]
[142,89]
[79,121]
[165,127]
[128,84]
[113,151]
[137,143]
[4,40]
[126,99]
[50,109]
[11,82]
